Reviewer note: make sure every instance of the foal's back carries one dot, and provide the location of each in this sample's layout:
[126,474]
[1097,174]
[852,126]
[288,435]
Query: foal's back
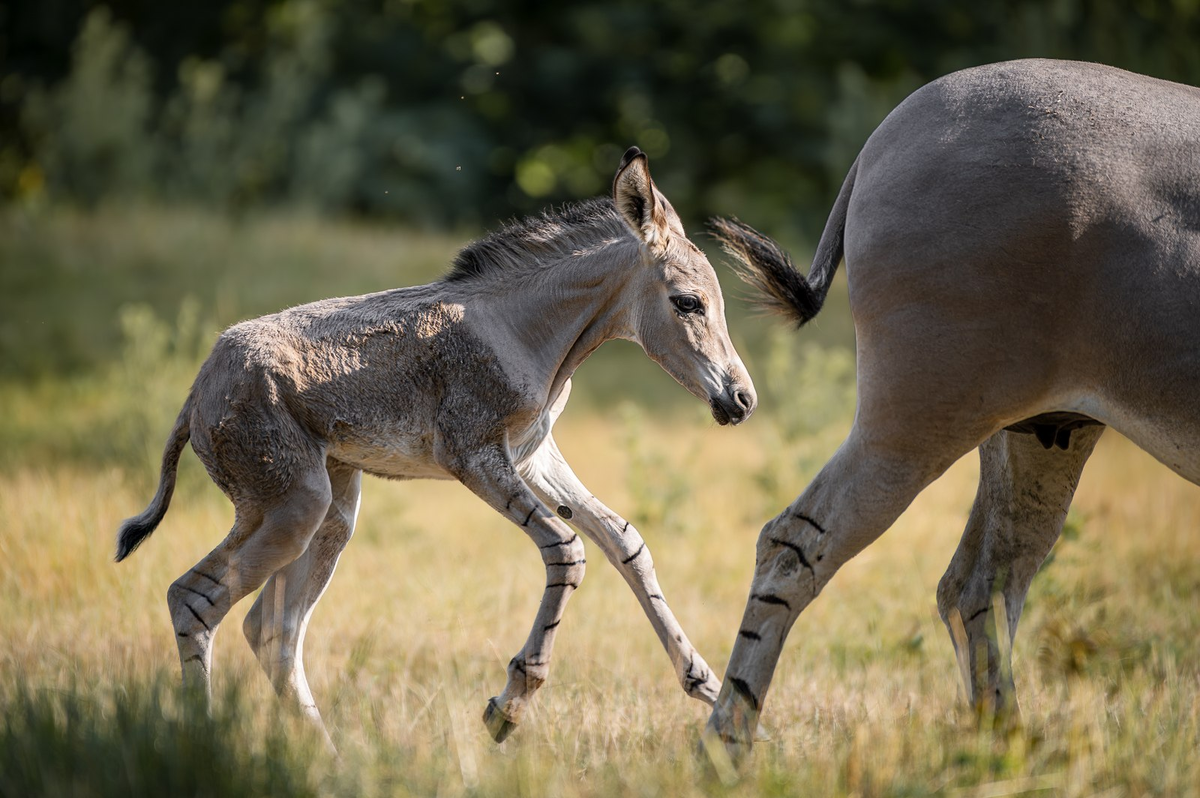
[362,380]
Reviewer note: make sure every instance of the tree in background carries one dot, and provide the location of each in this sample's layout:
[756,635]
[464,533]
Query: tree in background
[459,112]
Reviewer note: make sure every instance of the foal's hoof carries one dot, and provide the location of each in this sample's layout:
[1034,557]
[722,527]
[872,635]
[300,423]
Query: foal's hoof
[498,725]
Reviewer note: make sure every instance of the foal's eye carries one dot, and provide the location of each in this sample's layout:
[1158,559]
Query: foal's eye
[686,303]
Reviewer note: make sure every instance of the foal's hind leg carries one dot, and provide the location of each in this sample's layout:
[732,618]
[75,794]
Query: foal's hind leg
[276,624]
[490,474]
[1024,492]
[264,538]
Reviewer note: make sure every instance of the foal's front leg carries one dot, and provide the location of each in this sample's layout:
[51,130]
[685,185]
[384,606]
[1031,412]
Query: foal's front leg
[490,474]
[556,484]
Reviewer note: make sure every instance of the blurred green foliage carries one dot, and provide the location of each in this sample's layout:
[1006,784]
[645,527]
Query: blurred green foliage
[465,111]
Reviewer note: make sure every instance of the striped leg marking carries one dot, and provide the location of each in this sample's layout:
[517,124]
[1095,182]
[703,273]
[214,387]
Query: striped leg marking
[556,485]
[563,556]
[489,473]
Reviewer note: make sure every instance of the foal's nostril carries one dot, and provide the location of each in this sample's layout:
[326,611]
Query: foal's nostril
[733,405]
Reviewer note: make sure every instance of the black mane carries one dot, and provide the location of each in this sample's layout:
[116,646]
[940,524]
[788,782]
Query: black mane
[531,240]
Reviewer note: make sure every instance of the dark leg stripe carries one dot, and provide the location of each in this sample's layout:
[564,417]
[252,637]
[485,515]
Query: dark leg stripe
[658,596]
[550,626]
[196,615]
[571,585]
[565,564]
[529,516]
[206,576]
[634,556]
[518,665]
[808,520]
[769,599]
[626,527]
[977,614]
[560,543]
[211,603]
[694,680]
[799,551]
[745,692]
[193,658]
[746,633]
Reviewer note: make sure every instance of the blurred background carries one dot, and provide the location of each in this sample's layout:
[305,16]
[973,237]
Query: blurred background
[439,113]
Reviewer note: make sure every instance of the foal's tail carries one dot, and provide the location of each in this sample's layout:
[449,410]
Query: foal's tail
[764,265]
[138,528]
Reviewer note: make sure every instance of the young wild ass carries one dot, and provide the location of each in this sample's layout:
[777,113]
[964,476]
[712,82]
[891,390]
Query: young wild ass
[460,379]
[1022,245]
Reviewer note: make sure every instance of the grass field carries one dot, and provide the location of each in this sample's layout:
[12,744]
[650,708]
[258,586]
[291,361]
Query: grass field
[436,592]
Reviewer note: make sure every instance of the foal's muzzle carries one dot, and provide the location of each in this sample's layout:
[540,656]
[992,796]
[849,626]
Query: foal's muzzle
[734,405]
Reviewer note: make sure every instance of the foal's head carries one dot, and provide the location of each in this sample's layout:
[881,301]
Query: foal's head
[678,315]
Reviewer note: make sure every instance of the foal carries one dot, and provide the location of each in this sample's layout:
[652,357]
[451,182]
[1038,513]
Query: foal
[459,379]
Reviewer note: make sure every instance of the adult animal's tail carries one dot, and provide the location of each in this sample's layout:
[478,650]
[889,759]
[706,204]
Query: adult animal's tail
[763,264]
[138,528]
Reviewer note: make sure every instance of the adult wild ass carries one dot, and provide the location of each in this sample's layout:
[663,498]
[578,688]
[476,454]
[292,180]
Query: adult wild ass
[1022,244]
[460,379]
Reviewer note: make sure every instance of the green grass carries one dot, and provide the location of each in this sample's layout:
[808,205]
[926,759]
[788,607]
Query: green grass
[436,591]
[133,740]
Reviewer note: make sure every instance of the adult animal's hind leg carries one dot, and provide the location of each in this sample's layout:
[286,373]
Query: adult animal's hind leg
[265,537]
[275,626]
[490,474]
[1024,492]
[857,495]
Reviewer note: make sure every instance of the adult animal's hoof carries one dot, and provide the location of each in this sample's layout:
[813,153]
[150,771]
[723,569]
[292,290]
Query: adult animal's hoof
[732,728]
[722,755]
[498,725]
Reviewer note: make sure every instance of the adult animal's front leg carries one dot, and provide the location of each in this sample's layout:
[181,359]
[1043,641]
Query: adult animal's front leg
[1024,492]
[490,475]
[556,484]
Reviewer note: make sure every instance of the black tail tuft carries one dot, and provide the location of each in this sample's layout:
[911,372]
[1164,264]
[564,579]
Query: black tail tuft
[135,530]
[763,264]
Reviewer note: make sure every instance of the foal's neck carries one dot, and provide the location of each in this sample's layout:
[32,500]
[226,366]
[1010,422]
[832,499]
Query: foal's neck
[552,320]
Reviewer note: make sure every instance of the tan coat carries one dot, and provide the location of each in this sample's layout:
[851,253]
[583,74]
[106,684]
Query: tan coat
[461,379]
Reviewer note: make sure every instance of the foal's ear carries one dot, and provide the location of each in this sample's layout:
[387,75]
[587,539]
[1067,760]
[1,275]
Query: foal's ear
[640,204]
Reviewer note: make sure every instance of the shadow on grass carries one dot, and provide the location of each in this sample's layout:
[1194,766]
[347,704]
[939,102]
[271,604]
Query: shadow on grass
[138,740]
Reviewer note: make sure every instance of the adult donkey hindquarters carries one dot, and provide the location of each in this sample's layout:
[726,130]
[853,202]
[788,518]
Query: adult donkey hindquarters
[460,379]
[1022,245]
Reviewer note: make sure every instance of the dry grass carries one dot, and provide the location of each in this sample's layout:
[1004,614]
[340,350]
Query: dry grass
[436,592]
